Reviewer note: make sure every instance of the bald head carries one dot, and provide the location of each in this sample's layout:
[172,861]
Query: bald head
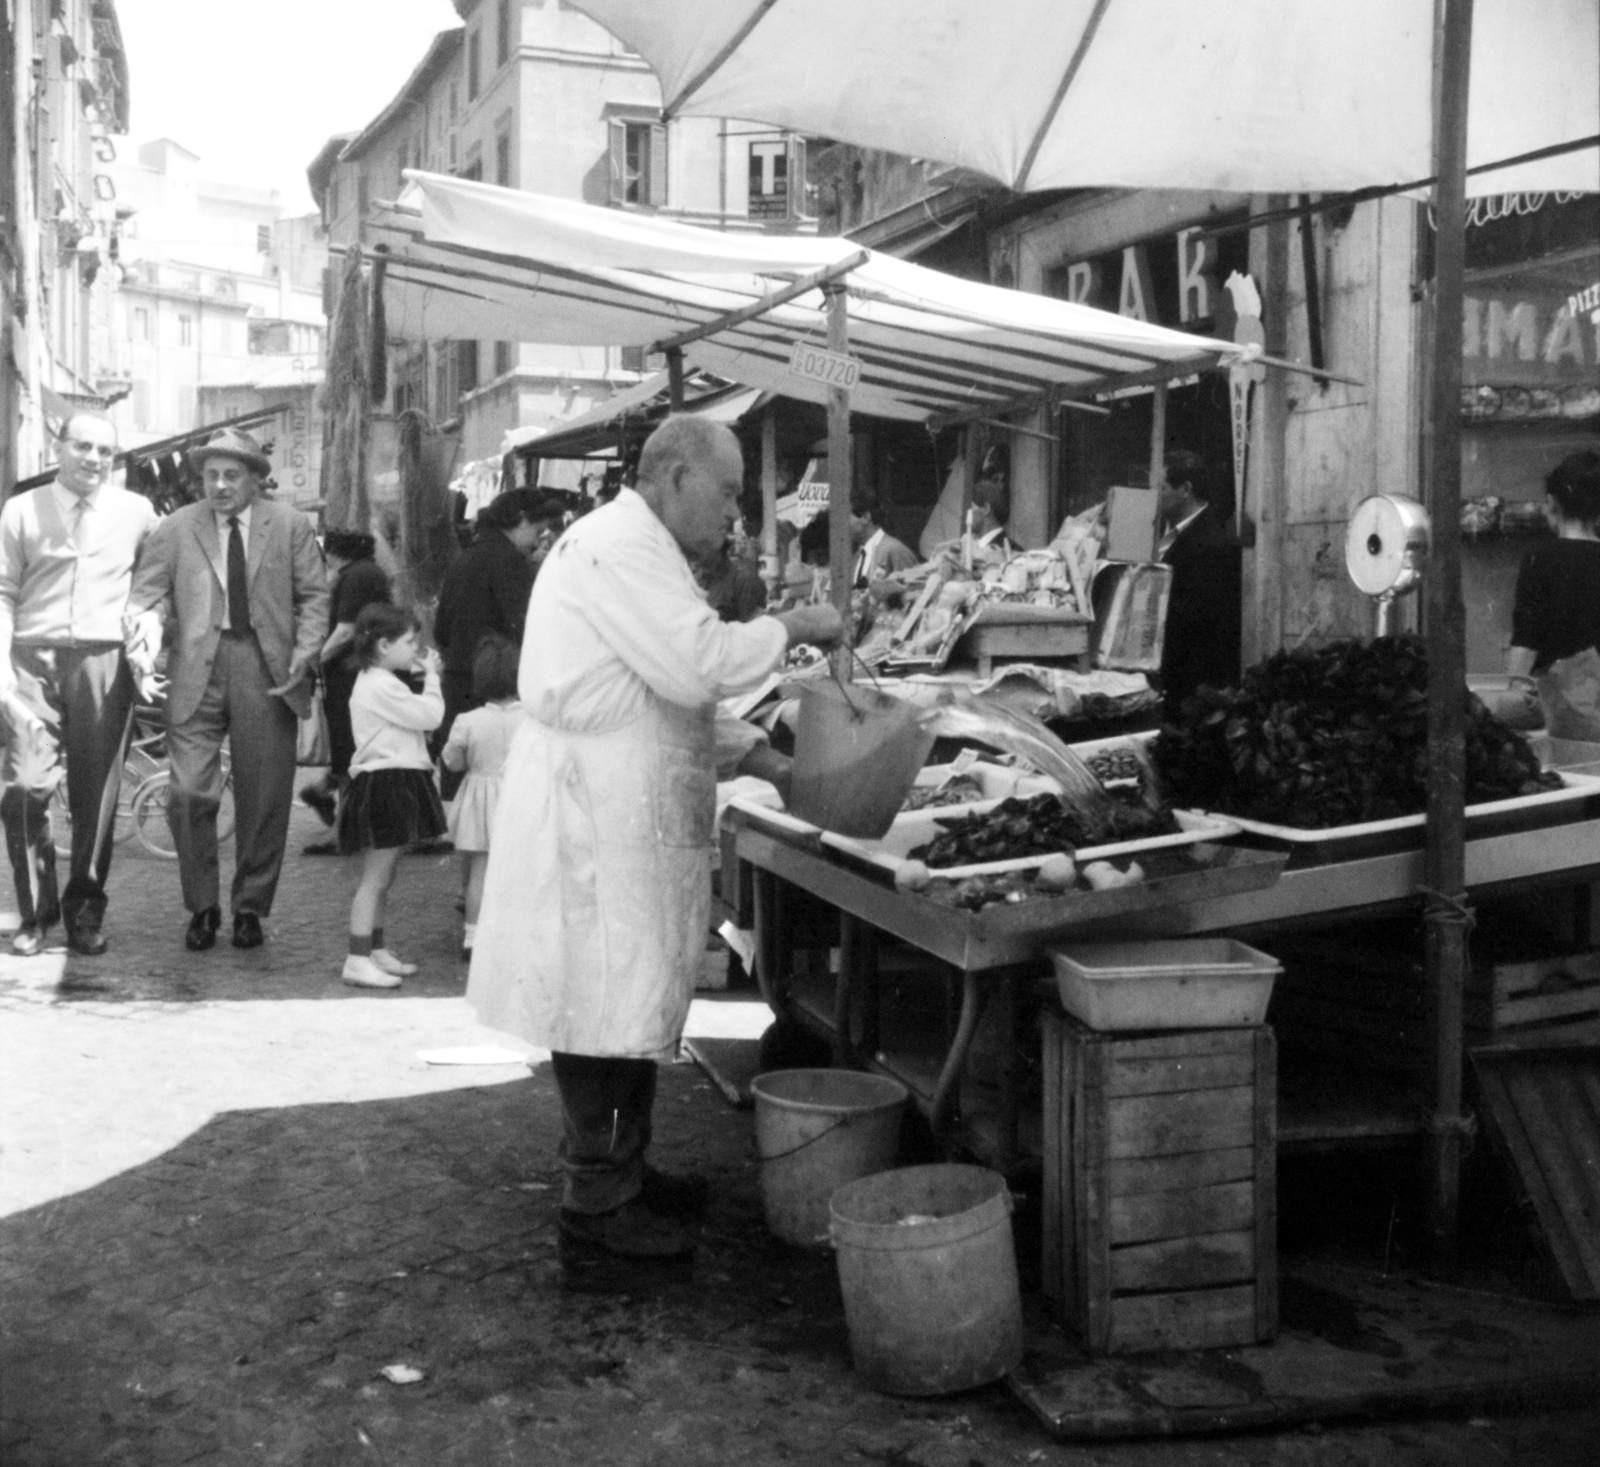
[690,474]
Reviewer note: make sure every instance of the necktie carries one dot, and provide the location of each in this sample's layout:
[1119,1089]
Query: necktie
[238,579]
[79,513]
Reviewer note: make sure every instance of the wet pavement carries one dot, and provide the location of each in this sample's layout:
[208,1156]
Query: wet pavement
[232,1194]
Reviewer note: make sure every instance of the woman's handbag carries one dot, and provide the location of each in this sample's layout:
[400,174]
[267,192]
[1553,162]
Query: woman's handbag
[311,745]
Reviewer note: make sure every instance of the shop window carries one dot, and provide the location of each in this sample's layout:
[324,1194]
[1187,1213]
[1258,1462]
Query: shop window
[504,358]
[503,34]
[474,168]
[263,239]
[474,66]
[502,160]
[638,164]
[185,330]
[632,359]
[466,368]
[141,324]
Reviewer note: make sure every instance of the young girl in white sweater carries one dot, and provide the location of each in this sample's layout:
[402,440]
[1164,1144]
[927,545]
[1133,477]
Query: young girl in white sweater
[391,802]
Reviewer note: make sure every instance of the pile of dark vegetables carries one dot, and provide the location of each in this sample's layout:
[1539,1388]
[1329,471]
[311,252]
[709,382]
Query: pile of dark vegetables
[1332,736]
[1038,826]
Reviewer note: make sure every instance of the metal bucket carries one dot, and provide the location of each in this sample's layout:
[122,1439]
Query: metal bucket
[856,755]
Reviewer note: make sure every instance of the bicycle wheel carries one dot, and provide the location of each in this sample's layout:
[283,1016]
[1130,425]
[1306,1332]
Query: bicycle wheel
[149,814]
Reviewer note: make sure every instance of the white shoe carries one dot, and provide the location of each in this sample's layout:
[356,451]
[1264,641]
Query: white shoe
[391,964]
[362,972]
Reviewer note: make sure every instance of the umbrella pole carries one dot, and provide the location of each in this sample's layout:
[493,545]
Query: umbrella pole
[1447,915]
[841,553]
[771,571]
[675,378]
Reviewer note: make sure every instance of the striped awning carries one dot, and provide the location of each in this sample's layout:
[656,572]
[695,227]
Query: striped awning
[470,260]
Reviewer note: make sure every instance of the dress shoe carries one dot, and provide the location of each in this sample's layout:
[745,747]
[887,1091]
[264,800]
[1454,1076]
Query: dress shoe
[675,1194]
[320,800]
[247,930]
[28,942]
[633,1230]
[391,964]
[89,941]
[202,933]
[321,848]
[361,972]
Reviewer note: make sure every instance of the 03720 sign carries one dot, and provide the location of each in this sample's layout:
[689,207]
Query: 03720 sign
[827,367]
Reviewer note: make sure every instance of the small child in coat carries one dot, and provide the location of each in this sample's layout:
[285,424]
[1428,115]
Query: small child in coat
[477,744]
[391,802]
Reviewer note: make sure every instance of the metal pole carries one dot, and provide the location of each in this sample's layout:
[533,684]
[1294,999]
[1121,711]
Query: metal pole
[675,378]
[1447,916]
[771,570]
[841,554]
[1158,433]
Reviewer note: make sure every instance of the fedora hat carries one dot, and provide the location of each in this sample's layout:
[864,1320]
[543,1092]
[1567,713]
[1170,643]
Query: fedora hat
[231,443]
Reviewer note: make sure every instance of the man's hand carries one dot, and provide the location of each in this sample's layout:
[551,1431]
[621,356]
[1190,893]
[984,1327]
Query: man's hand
[765,762]
[299,670]
[821,626]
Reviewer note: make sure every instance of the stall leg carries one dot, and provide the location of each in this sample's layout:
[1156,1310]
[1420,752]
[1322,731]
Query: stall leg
[855,937]
[1012,1010]
[948,1089]
[772,945]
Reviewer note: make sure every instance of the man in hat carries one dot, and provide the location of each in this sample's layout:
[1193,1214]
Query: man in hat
[67,552]
[1201,642]
[243,578]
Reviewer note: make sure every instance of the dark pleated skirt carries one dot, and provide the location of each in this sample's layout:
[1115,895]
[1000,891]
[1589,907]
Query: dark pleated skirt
[382,808]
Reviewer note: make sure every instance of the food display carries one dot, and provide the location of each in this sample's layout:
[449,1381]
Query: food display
[1039,826]
[963,789]
[974,893]
[1115,766]
[1331,736]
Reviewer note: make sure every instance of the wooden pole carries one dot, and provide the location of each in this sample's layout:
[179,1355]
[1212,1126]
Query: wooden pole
[1158,433]
[771,570]
[1446,915]
[675,378]
[841,554]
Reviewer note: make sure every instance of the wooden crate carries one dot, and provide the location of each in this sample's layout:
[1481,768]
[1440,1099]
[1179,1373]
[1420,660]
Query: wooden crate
[1361,996]
[1160,1186]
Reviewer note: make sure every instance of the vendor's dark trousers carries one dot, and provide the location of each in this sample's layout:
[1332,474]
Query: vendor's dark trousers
[83,696]
[605,1128]
[260,730]
[338,682]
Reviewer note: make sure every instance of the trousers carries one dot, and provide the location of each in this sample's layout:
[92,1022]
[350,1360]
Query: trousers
[260,730]
[606,1105]
[83,695]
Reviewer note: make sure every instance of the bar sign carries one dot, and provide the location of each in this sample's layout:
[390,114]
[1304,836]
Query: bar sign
[827,367]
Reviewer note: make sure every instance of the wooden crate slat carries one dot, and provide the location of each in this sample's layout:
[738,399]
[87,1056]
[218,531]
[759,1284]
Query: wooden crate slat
[1164,1076]
[1184,1263]
[1542,1007]
[1163,1125]
[1195,1319]
[1135,1176]
[1179,1044]
[1266,1150]
[1095,1246]
[1184,1213]
[1554,1109]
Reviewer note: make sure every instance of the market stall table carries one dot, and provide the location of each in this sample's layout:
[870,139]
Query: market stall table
[1209,888]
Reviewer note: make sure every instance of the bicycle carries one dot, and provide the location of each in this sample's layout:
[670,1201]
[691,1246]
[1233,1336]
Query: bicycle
[148,811]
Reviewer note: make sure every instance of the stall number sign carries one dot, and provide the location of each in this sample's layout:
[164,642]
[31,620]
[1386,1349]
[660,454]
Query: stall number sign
[827,367]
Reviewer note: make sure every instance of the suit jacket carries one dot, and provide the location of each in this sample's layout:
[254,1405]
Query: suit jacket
[183,572]
[1203,613]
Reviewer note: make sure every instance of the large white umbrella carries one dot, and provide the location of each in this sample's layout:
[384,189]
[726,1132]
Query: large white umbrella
[1264,96]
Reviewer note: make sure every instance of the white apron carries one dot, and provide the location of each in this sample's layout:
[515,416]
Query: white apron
[597,897]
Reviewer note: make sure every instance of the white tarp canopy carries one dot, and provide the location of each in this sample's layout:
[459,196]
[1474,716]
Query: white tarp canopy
[1269,96]
[468,259]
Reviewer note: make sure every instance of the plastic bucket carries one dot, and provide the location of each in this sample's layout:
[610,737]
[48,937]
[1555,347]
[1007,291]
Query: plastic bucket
[855,757]
[815,1131]
[928,1271]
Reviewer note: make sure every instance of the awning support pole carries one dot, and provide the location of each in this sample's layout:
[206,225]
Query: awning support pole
[841,553]
[1158,435]
[675,378]
[771,571]
[1447,916]
[818,278]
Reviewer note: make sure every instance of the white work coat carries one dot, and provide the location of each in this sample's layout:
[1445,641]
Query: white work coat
[597,897]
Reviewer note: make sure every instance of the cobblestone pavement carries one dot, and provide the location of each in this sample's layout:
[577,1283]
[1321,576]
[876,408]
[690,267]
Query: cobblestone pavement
[231,1194]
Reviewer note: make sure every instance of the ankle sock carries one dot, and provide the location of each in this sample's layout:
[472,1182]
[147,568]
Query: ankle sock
[377,937]
[361,947]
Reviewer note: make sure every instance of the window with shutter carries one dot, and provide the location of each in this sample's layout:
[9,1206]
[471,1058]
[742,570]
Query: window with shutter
[619,162]
[797,178]
[656,170]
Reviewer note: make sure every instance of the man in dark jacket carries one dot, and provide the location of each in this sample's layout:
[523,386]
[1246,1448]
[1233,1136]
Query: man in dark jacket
[1203,614]
[486,589]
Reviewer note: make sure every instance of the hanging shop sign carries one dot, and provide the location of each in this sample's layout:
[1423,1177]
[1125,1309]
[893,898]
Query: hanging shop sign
[777,178]
[1171,281]
[830,368]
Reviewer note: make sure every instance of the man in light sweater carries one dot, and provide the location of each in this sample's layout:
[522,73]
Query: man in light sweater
[67,552]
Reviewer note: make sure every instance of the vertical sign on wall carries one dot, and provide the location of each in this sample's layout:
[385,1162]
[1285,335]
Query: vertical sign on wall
[769,179]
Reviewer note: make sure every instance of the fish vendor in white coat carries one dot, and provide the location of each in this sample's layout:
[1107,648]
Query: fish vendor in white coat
[597,896]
